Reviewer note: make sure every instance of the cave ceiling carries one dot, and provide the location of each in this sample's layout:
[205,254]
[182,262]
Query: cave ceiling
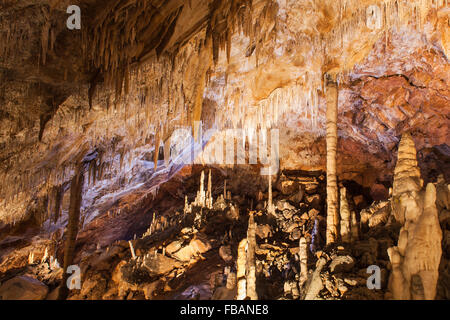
[117,89]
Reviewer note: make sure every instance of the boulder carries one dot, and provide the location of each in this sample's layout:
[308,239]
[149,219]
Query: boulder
[311,188]
[287,187]
[287,214]
[196,246]
[159,264]
[23,288]
[284,205]
[174,246]
[225,253]
[342,264]
[313,213]
[264,231]
[295,234]
[314,201]
[297,196]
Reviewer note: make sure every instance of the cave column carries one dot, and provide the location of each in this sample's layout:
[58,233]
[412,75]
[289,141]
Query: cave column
[270,207]
[251,267]
[331,139]
[76,190]
[241,272]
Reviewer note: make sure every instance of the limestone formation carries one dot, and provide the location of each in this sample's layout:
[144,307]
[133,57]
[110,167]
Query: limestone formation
[332,139]
[209,197]
[241,270]
[76,194]
[133,255]
[346,217]
[200,200]
[270,206]
[250,268]
[31,258]
[225,189]
[407,182]
[319,90]
[303,257]
[315,285]
[416,258]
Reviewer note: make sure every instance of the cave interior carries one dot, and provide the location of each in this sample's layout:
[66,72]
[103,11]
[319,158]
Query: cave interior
[224,150]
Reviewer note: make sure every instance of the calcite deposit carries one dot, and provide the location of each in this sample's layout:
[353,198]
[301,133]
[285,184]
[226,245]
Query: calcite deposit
[212,149]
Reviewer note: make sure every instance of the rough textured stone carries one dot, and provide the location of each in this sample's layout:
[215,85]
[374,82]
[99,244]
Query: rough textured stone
[225,253]
[196,246]
[23,288]
[342,264]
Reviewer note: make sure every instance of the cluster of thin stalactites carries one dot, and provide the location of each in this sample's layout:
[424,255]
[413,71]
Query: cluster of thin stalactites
[155,105]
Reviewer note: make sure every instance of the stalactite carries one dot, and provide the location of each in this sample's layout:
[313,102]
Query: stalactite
[331,139]
[251,268]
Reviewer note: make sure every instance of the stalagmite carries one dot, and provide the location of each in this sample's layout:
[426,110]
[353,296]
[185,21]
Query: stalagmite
[407,181]
[303,255]
[225,189]
[200,200]
[76,191]
[187,206]
[345,217]
[133,255]
[270,207]
[251,268]
[241,270]
[209,198]
[45,257]
[332,139]
[354,227]
[416,258]
[31,258]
